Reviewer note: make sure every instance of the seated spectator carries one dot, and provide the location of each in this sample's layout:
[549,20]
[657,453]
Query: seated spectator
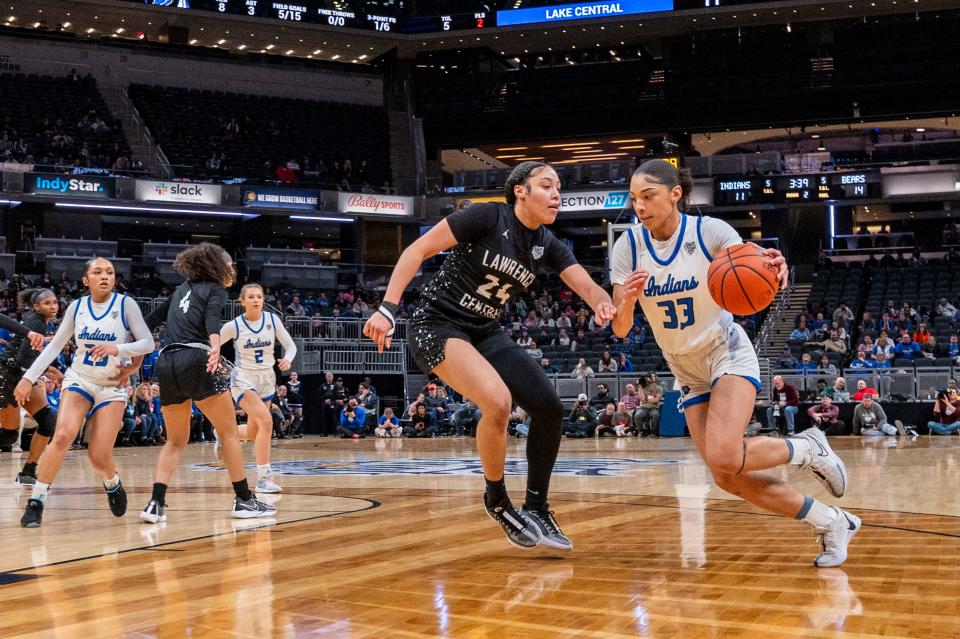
[833,343]
[826,417]
[547,367]
[388,425]
[422,424]
[437,404]
[806,364]
[921,335]
[863,391]
[822,389]
[801,333]
[952,349]
[842,315]
[820,327]
[294,309]
[946,414]
[367,398]
[622,421]
[929,349]
[630,398]
[562,339]
[524,340]
[600,401]
[352,418]
[906,348]
[605,423]
[785,402]
[946,310]
[879,361]
[581,370]
[465,419]
[884,345]
[646,419]
[533,351]
[828,367]
[870,419]
[624,365]
[838,392]
[519,423]
[860,360]
[788,359]
[582,421]
[150,430]
[607,364]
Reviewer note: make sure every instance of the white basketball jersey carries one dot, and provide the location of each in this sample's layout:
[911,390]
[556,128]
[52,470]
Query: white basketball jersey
[676,299]
[96,324]
[254,344]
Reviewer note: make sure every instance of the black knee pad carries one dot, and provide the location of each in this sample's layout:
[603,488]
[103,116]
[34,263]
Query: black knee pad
[46,420]
[9,437]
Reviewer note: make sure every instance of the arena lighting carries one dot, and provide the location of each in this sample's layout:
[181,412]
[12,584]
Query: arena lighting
[152,209]
[313,218]
[832,209]
[11,202]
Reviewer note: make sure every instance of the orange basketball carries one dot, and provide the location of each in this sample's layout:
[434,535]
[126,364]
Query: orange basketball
[741,280]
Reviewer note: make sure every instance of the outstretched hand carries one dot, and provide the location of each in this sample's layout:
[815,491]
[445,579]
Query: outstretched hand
[379,329]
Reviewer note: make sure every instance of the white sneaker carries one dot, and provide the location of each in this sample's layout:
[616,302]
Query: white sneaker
[835,538]
[153,513]
[825,465]
[267,485]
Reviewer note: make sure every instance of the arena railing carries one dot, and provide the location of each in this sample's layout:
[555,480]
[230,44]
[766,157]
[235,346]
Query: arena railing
[912,383]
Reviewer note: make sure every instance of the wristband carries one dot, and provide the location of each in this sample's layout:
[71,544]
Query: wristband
[389,310]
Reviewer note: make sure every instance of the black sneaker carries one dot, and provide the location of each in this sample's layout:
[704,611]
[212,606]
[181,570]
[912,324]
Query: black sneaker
[33,515]
[550,533]
[118,499]
[153,513]
[519,530]
[253,507]
[24,479]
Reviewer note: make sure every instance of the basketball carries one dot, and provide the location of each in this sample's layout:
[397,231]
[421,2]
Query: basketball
[741,280]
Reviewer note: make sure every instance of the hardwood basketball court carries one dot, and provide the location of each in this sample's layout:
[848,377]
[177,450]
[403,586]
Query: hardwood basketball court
[387,538]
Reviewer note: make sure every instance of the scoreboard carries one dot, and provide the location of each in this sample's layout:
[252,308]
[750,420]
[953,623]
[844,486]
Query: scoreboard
[786,189]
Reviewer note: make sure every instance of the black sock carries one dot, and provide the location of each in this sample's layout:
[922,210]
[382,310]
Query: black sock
[496,491]
[29,469]
[242,489]
[535,499]
[159,493]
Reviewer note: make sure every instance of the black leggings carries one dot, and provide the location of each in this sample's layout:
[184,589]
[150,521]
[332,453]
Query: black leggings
[533,392]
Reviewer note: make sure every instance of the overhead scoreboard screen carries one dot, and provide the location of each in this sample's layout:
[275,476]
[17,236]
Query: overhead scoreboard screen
[581,11]
[787,189]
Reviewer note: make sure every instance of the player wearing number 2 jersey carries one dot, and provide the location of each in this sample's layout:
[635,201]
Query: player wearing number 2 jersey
[662,264]
[496,252]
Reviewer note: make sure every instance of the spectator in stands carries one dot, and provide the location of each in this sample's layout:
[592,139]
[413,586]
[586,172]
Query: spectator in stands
[581,370]
[637,337]
[825,416]
[367,398]
[582,421]
[785,402]
[351,420]
[437,404]
[294,309]
[806,363]
[838,392]
[607,364]
[388,425]
[605,423]
[909,312]
[822,388]
[524,340]
[946,414]
[868,323]
[904,323]
[800,333]
[465,419]
[562,340]
[884,345]
[870,419]
[579,341]
[787,360]
[953,349]
[630,398]
[861,360]
[622,421]
[422,424]
[946,310]
[929,349]
[820,328]
[412,408]
[600,401]
[835,342]
[906,348]
[547,367]
[843,315]
[646,419]
[887,323]
[921,335]
[863,391]
[534,351]
[624,365]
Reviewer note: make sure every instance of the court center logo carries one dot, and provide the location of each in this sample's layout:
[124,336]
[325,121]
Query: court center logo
[565,467]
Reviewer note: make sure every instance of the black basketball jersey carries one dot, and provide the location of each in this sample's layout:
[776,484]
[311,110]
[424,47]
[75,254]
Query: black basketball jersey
[19,353]
[192,313]
[495,259]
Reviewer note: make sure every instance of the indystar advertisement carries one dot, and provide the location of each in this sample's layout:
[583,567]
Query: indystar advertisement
[69,185]
[593,201]
[581,11]
[178,192]
[374,204]
[290,199]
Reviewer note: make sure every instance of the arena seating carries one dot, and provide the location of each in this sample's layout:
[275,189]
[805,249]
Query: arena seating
[189,126]
[65,102]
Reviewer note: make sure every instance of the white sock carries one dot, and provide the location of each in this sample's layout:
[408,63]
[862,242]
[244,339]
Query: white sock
[40,491]
[112,483]
[816,513]
[263,471]
[799,449]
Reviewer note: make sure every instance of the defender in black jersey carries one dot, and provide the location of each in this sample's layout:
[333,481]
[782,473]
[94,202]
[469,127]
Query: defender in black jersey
[17,358]
[497,251]
[189,370]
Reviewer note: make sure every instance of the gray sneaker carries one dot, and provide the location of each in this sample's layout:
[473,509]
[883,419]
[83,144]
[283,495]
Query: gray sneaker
[825,465]
[835,538]
[267,485]
[520,531]
[253,507]
[25,480]
[550,533]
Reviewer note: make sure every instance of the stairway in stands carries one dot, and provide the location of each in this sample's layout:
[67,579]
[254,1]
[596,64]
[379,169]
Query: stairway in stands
[780,330]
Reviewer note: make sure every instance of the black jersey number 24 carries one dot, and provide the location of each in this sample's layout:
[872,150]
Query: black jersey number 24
[502,293]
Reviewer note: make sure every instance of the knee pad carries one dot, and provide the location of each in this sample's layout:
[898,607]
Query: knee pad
[9,437]
[46,420]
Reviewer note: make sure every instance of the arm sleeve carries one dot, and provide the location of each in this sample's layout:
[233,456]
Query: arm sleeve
[215,304]
[621,259]
[718,235]
[559,257]
[159,315]
[13,325]
[283,336]
[473,221]
[138,327]
[228,331]
[55,347]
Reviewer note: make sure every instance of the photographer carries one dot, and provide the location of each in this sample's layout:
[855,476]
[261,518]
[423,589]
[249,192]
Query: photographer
[351,420]
[582,420]
[870,419]
[946,414]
